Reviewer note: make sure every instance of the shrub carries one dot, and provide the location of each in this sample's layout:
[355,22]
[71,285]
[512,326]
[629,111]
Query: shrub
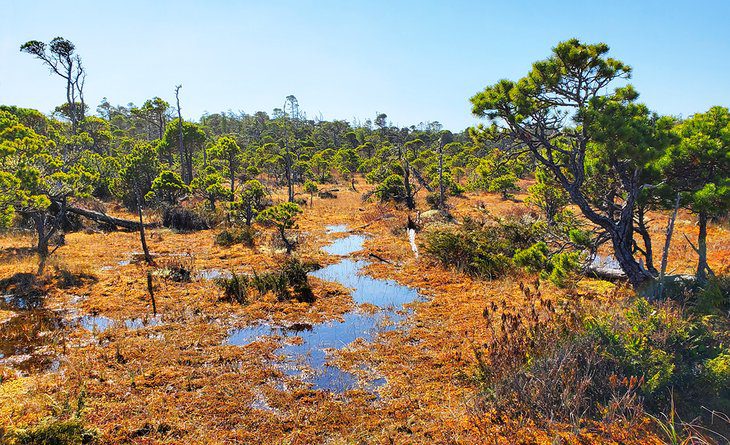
[56,432]
[621,360]
[483,250]
[504,184]
[534,258]
[245,235]
[283,217]
[563,268]
[391,189]
[287,283]
[714,296]
[235,288]
[432,199]
[717,372]
[183,219]
[660,344]
[478,253]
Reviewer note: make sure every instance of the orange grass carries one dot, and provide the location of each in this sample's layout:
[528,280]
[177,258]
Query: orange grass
[178,382]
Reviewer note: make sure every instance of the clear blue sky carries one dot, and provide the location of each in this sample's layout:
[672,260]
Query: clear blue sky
[414,60]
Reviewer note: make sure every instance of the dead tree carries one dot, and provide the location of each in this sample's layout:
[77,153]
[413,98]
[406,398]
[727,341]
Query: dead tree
[181,148]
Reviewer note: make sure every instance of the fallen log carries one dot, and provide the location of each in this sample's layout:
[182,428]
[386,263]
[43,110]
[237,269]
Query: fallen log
[377,257]
[106,219]
[605,273]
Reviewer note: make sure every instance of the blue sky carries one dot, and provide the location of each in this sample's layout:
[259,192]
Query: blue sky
[414,60]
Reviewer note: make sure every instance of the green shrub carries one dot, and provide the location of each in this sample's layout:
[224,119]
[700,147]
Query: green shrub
[534,258]
[714,296]
[481,249]
[717,372]
[432,199]
[240,235]
[183,219]
[287,283]
[621,361]
[55,432]
[659,344]
[475,252]
[235,287]
[563,268]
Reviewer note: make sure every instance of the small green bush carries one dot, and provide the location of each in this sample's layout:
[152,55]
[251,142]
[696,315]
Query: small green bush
[563,268]
[287,283]
[235,287]
[483,249]
[54,432]
[717,372]
[714,296]
[240,235]
[479,253]
[533,259]
[391,189]
[183,219]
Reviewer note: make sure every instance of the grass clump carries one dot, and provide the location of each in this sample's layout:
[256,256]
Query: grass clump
[288,282]
[183,219]
[235,287]
[179,269]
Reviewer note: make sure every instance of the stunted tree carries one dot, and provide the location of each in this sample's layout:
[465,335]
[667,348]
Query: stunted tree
[59,55]
[154,113]
[33,182]
[547,195]
[282,217]
[252,200]
[311,188]
[228,154]
[186,172]
[193,139]
[211,185]
[168,187]
[698,168]
[562,114]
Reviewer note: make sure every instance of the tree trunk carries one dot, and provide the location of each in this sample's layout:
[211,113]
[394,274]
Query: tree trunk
[143,239]
[441,176]
[702,266]
[183,170]
[644,232]
[106,219]
[288,245]
[625,257]
[667,244]
[289,184]
[40,226]
[410,203]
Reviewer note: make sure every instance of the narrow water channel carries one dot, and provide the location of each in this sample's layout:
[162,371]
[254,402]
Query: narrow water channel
[308,358]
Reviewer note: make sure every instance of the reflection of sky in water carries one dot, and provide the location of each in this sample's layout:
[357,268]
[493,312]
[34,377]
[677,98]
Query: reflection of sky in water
[387,295]
[345,246]
[27,339]
[212,274]
[336,228]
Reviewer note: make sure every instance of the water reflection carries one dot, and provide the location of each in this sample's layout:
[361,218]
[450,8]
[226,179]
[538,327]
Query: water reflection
[308,357]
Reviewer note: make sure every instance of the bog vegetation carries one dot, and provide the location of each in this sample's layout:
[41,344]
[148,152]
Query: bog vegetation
[577,171]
